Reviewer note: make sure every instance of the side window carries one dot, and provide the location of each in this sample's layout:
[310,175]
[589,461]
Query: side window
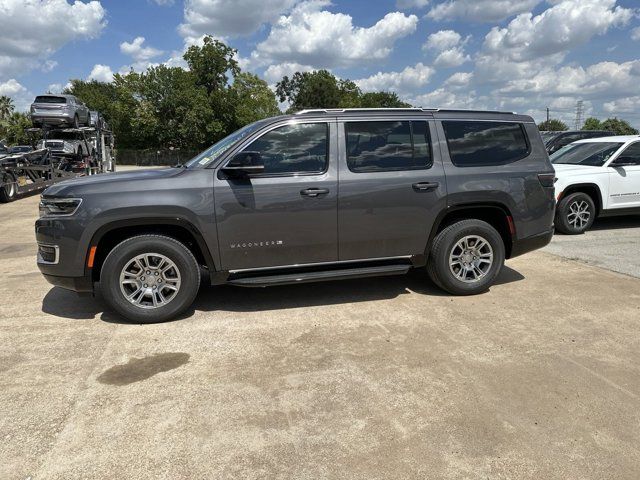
[473,144]
[298,148]
[632,153]
[388,146]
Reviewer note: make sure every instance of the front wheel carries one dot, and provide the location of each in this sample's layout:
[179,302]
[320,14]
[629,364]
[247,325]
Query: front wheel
[466,257]
[575,214]
[150,278]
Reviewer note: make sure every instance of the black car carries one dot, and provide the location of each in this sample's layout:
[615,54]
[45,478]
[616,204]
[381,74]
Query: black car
[20,149]
[554,141]
[312,196]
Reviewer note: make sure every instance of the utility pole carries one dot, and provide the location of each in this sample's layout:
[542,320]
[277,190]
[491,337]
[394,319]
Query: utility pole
[548,115]
[579,115]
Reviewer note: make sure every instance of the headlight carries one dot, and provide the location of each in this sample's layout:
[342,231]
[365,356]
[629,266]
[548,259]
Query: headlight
[57,207]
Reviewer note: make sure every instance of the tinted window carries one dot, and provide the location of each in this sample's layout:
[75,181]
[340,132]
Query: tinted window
[485,143]
[593,153]
[299,148]
[387,146]
[50,99]
[632,153]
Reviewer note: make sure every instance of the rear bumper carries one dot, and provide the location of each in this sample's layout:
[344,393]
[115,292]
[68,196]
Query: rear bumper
[529,244]
[53,118]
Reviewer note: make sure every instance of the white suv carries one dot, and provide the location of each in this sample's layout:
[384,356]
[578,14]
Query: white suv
[596,177]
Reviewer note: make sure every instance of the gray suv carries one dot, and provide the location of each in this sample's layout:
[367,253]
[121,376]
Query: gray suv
[317,195]
[59,110]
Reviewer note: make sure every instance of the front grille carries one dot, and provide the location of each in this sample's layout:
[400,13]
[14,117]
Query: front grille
[47,254]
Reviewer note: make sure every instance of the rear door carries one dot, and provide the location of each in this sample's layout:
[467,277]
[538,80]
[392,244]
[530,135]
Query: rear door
[624,182]
[391,188]
[288,214]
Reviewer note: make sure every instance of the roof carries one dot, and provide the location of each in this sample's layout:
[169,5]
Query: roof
[615,138]
[429,112]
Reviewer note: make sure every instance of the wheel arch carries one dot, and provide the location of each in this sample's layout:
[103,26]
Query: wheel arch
[497,215]
[111,234]
[589,188]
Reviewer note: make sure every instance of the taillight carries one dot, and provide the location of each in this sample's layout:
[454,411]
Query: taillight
[547,179]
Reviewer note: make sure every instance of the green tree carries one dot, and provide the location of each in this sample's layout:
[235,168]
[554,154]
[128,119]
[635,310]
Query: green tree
[552,125]
[253,98]
[211,63]
[14,129]
[318,89]
[382,100]
[6,107]
[619,126]
[592,123]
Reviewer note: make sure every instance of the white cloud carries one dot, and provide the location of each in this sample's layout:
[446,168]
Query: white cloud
[313,36]
[566,25]
[635,34]
[21,97]
[459,79]
[408,80]
[599,80]
[230,18]
[623,105]
[101,73]
[480,10]
[274,73]
[408,4]
[32,30]
[443,40]
[450,46]
[164,3]
[445,98]
[137,51]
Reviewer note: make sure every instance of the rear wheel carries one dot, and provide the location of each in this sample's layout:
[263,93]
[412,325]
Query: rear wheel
[76,121]
[8,190]
[466,257]
[150,278]
[575,214]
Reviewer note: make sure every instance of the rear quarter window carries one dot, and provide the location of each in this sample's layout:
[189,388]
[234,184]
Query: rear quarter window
[474,144]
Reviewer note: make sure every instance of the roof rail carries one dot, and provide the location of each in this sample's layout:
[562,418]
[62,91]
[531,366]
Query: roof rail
[409,109]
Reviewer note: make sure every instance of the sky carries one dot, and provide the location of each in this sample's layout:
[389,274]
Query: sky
[515,55]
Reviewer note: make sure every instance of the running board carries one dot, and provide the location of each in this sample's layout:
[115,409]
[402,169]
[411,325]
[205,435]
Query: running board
[319,276]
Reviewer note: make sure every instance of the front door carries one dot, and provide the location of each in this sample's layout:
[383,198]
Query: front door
[624,182]
[392,186]
[286,215]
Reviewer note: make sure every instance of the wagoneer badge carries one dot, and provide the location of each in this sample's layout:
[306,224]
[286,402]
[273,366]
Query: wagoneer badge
[268,243]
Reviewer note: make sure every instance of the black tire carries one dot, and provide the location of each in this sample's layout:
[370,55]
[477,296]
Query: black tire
[446,242]
[567,221]
[124,253]
[76,121]
[8,190]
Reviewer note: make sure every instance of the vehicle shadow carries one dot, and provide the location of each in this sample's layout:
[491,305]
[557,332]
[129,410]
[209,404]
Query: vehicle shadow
[66,304]
[614,223]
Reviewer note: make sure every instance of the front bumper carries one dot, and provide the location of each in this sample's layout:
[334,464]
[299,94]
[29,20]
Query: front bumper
[66,268]
[528,244]
[76,284]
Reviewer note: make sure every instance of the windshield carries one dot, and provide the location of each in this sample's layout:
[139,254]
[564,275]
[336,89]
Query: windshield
[217,149]
[546,136]
[594,154]
[65,136]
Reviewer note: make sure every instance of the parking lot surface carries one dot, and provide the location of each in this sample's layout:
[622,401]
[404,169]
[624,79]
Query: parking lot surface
[374,378]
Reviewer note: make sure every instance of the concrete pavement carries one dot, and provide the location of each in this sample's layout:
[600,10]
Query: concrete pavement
[375,378]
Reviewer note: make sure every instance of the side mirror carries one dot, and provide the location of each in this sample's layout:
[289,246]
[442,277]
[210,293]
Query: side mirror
[244,163]
[624,162]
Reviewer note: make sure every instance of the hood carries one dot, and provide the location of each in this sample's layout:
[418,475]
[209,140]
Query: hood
[112,182]
[562,169]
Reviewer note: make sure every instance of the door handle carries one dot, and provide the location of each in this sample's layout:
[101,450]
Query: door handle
[314,192]
[425,186]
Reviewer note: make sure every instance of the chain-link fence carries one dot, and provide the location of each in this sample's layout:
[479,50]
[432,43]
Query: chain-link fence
[149,158]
